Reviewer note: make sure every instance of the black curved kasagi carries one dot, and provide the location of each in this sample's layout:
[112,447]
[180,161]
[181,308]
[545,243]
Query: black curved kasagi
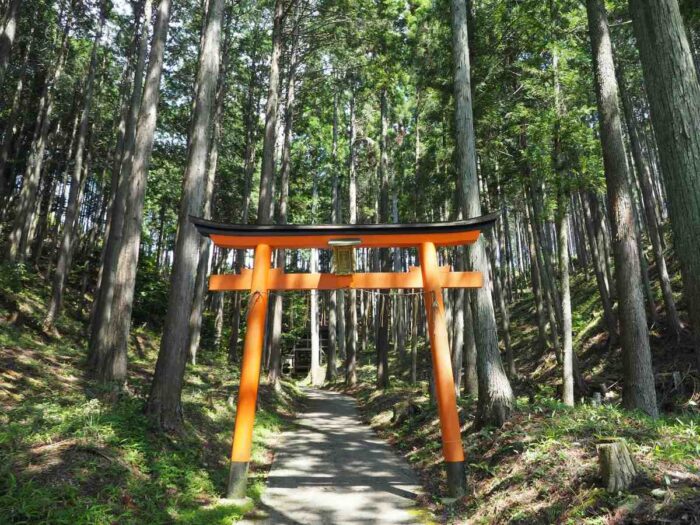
[207,228]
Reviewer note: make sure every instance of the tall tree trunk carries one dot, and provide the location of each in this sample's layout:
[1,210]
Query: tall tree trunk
[559,165]
[316,373]
[336,315]
[164,399]
[458,323]
[117,153]
[644,177]
[351,359]
[598,263]
[536,279]
[499,294]
[251,136]
[495,394]
[7,36]
[638,388]
[384,304]
[100,360]
[76,189]
[286,169]
[471,379]
[24,216]
[205,248]
[567,339]
[111,365]
[267,175]
[13,122]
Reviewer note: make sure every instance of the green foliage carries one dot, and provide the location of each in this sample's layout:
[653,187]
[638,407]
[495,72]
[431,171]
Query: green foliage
[151,294]
[12,277]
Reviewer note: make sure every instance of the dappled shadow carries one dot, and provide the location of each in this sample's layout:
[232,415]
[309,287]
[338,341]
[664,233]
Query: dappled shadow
[332,469]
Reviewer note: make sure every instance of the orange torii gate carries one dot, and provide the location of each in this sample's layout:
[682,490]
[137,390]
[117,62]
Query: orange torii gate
[261,279]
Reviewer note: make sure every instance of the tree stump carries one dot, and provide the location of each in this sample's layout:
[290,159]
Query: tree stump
[616,466]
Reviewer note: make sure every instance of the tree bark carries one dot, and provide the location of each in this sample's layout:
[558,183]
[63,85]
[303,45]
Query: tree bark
[251,137]
[495,395]
[471,379]
[644,177]
[535,276]
[351,359]
[383,307]
[100,360]
[316,372]
[164,399]
[24,216]
[598,263]
[205,248]
[336,313]
[638,388]
[617,469]
[567,339]
[276,335]
[673,90]
[13,123]
[7,36]
[112,365]
[74,197]
[268,155]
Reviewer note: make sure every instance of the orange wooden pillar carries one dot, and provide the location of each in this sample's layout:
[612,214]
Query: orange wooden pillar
[250,373]
[442,368]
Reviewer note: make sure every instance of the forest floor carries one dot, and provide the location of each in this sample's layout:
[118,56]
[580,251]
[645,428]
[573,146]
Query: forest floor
[541,467]
[71,452]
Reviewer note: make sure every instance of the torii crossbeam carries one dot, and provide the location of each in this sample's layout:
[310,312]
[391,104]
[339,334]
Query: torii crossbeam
[261,279]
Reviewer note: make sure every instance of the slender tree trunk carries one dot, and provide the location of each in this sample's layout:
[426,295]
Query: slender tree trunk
[7,36]
[13,123]
[351,359]
[495,394]
[638,388]
[316,373]
[336,315]
[644,177]
[111,366]
[205,249]
[251,135]
[286,169]
[597,257]
[77,182]
[24,216]
[567,340]
[100,359]
[164,399]
[536,284]
[458,324]
[383,317]
[564,304]
[268,156]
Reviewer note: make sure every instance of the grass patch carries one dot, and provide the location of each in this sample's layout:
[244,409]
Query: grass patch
[72,451]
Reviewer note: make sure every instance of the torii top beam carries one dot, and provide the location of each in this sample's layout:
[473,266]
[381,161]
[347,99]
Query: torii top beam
[321,236]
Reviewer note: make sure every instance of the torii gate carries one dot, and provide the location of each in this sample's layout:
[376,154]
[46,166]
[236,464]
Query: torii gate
[261,279]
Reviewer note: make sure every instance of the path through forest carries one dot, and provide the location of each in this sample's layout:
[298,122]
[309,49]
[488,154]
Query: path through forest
[331,468]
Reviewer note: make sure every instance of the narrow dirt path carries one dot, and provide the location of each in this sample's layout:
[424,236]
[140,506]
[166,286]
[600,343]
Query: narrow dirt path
[332,469]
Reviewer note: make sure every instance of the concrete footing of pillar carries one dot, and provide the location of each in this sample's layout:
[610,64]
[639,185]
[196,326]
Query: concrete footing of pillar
[456,479]
[237,477]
